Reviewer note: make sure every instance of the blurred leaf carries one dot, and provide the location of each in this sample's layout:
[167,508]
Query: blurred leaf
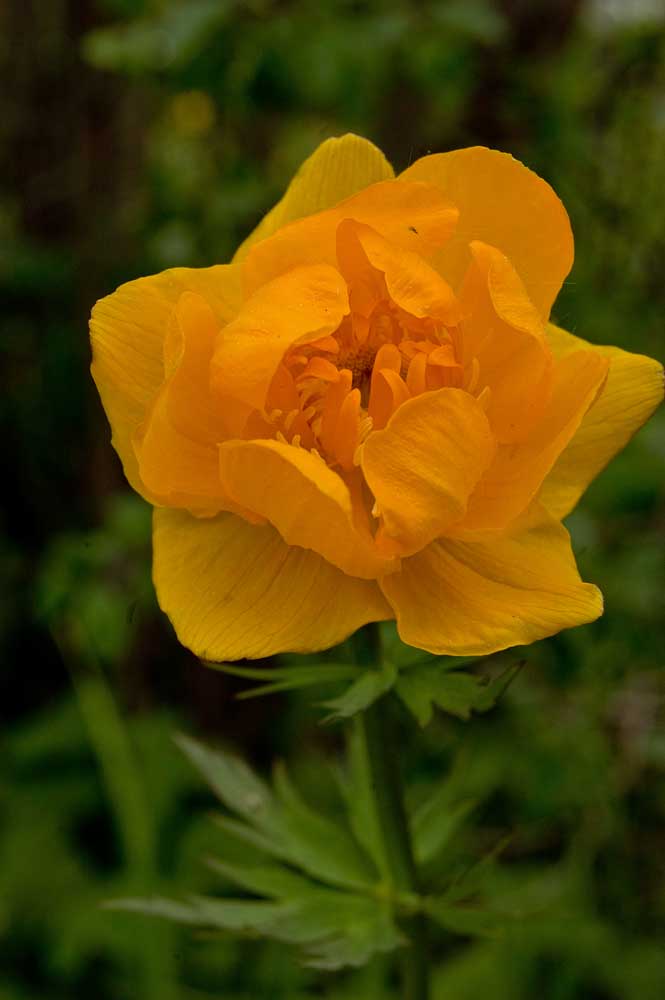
[466,920]
[459,694]
[334,928]
[370,686]
[356,787]
[436,821]
[288,678]
[321,846]
[234,782]
[158,42]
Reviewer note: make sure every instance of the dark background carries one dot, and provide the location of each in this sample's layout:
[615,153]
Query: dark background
[141,134]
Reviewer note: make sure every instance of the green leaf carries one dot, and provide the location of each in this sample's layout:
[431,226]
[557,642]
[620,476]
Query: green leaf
[318,844]
[273,881]
[458,693]
[336,929]
[356,788]
[238,787]
[435,822]
[157,906]
[476,921]
[288,678]
[370,686]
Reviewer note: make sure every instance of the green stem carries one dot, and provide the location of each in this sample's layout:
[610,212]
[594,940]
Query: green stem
[382,753]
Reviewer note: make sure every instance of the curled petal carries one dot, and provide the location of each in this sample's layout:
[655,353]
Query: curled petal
[176,445]
[309,504]
[297,308]
[633,390]
[234,590]
[503,203]
[127,331]
[472,598]
[409,280]
[424,465]
[503,332]
[518,470]
[411,216]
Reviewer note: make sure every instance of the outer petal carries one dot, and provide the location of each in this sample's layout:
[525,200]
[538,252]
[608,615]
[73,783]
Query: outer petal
[298,307]
[518,471]
[503,203]
[127,331]
[633,390]
[474,598]
[233,590]
[423,466]
[336,170]
[413,217]
[309,504]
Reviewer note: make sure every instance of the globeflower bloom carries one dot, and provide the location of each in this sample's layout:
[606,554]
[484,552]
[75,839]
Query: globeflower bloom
[367,415]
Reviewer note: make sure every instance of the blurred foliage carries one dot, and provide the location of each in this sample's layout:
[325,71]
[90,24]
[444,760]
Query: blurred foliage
[139,134]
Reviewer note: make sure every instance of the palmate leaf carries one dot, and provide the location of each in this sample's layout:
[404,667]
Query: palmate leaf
[314,882]
[426,686]
[334,929]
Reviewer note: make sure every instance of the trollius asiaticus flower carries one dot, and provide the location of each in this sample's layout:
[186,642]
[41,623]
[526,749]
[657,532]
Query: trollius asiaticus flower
[367,414]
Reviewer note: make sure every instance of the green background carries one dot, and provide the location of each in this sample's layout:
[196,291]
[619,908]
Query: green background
[141,134]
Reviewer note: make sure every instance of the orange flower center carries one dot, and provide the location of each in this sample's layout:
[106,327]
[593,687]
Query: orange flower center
[329,394]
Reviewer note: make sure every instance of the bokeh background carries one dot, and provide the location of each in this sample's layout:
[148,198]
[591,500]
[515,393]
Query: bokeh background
[141,134]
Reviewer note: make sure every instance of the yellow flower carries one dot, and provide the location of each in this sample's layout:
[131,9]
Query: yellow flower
[366,415]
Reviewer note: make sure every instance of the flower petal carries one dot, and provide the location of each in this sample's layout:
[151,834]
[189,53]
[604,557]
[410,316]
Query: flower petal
[234,590]
[423,466]
[309,504]
[127,331]
[176,445]
[336,170]
[413,217]
[409,280]
[633,390]
[298,307]
[475,597]
[503,331]
[503,203]
[518,470]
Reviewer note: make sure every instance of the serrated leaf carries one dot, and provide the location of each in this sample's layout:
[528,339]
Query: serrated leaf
[364,691]
[234,782]
[455,692]
[318,844]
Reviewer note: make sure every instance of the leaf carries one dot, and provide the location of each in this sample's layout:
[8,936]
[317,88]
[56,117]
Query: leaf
[336,929]
[458,693]
[467,920]
[317,843]
[370,686]
[436,820]
[238,787]
[288,678]
[273,881]
[157,906]
[356,788]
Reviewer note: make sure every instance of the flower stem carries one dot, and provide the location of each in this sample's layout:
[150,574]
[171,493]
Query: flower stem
[382,749]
